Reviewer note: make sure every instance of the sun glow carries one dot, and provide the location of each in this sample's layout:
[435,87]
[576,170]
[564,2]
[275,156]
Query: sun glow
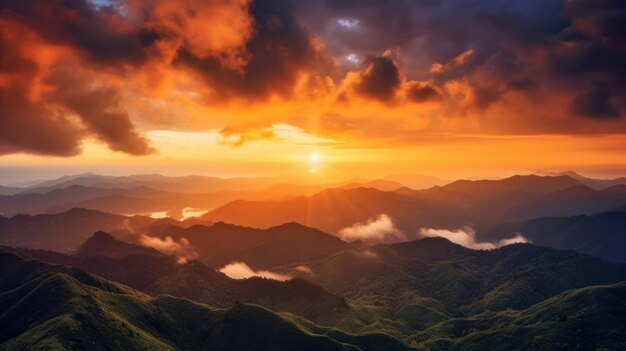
[314,159]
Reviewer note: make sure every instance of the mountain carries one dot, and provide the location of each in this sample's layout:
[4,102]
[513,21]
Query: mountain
[421,283]
[223,243]
[380,184]
[56,307]
[416,181]
[576,200]
[531,184]
[430,293]
[593,183]
[64,232]
[456,205]
[581,319]
[7,190]
[60,199]
[179,184]
[602,235]
[332,210]
[155,273]
[104,244]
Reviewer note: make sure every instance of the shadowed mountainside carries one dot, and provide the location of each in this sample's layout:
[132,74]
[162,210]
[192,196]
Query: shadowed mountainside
[602,235]
[221,243]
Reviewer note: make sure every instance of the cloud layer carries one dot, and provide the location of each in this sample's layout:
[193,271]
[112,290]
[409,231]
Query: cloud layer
[383,71]
[377,230]
[467,237]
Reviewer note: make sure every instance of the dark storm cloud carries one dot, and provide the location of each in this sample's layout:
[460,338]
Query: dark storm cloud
[100,111]
[422,92]
[50,110]
[595,103]
[380,78]
[279,50]
[67,67]
[555,44]
[99,32]
[34,128]
[41,125]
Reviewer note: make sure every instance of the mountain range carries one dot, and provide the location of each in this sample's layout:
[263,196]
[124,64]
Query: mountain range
[528,262]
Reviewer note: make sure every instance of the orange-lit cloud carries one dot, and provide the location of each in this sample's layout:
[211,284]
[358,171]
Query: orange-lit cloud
[114,71]
[181,248]
[467,237]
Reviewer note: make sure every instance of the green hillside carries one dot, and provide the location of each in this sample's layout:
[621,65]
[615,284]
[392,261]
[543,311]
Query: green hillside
[590,318]
[51,307]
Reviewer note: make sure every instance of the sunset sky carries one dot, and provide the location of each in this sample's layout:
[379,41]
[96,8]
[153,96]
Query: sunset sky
[451,88]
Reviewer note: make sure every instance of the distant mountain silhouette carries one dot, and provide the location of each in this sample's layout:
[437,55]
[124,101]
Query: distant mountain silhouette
[593,183]
[330,210]
[458,204]
[64,232]
[63,199]
[7,190]
[417,181]
[602,235]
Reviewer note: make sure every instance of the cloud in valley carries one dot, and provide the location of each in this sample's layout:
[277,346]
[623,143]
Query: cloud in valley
[304,269]
[181,248]
[240,270]
[376,230]
[467,237]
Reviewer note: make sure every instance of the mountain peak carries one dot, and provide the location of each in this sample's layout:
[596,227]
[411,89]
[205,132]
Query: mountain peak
[104,244]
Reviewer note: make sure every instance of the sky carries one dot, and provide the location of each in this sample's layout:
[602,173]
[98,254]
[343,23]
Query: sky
[452,88]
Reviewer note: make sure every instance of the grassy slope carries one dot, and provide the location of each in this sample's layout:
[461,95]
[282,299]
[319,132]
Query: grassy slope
[589,318]
[55,307]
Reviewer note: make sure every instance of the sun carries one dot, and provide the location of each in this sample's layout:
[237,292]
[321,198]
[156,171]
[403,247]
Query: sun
[314,160]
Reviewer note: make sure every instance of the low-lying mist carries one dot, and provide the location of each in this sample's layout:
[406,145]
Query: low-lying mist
[376,230]
[466,236]
[182,249]
[240,270]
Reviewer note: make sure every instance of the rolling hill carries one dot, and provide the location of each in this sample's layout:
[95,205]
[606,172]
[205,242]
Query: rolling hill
[588,318]
[423,282]
[55,307]
[155,273]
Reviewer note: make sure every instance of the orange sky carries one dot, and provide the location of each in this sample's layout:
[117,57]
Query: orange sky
[255,87]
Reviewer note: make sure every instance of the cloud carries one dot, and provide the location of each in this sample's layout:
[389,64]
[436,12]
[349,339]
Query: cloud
[467,237]
[595,103]
[67,69]
[379,229]
[72,70]
[240,270]
[380,78]
[181,248]
[304,269]
[422,92]
[277,55]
